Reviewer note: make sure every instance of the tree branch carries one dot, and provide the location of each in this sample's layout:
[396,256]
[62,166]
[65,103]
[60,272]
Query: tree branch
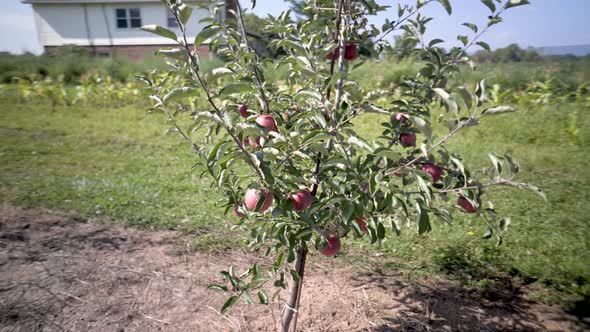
[248,49]
[194,69]
[402,20]
[452,133]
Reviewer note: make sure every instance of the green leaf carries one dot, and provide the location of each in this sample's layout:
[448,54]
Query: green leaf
[466,96]
[314,94]
[423,219]
[480,92]
[173,53]
[495,20]
[530,187]
[184,13]
[315,136]
[471,26]
[160,31]
[502,227]
[294,275]
[435,41]
[218,72]
[387,153]
[247,298]
[320,120]
[489,232]
[451,104]
[447,5]
[423,186]
[516,3]
[281,281]
[497,161]
[459,165]
[514,167]
[180,93]
[296,46]
[464,40]
[498,110]
[490,4]
[360,142]
[484,45]
[229,303]
[205,34]
[215,155]
[380,231]
[234,88]
[262,297]
[217,288]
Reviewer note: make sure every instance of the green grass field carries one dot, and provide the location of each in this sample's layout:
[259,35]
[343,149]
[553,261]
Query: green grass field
[117,163]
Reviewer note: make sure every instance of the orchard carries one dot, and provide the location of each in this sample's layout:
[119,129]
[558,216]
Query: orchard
[295,173]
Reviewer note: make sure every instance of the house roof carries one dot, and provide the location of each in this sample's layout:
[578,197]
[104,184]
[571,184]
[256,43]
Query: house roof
[90,1]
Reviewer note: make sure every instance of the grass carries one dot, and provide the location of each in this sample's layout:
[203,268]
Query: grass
[113,162]
[116,163]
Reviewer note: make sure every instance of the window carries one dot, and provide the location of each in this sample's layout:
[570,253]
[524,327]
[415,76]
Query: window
[128,18]
[172,23]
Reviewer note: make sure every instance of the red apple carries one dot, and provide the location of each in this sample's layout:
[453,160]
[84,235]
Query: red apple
[267,122]
[301,200]
[252,142]
[252,198]
[351,52]
[362,222]
[433,170]
[400,117]
[466,205]
[407,139]
[243,110]
[332,246]
[333,54]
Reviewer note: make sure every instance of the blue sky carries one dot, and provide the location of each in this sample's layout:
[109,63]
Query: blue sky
[543,23]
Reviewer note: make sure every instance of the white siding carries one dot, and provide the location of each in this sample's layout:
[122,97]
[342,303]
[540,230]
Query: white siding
[59,24]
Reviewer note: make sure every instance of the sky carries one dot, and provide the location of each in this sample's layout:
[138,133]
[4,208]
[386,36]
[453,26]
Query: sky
[542,23]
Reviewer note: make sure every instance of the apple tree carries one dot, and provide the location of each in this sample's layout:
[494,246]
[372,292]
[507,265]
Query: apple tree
[293,169]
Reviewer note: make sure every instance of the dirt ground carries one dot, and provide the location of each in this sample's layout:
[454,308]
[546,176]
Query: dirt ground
[58,273]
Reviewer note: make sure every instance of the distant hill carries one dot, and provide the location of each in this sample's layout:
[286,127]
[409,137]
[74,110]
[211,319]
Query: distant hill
[577,50]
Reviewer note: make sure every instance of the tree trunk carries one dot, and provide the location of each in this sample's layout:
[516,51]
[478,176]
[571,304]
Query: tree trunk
[291,308]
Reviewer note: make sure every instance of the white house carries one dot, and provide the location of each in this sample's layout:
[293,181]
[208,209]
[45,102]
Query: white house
[109,27]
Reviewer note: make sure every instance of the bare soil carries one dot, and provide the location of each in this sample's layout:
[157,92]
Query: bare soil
[58,273]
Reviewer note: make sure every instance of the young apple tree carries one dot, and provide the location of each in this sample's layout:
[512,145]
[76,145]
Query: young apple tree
[294,171]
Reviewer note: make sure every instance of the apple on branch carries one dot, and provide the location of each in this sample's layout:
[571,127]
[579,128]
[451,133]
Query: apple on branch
[362,222]
[466,205]
[255,143]
[267,121]
[243,110]
[434,171]
[301,200]
[351,52]
[332,246]
[407,139]
[253,196]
